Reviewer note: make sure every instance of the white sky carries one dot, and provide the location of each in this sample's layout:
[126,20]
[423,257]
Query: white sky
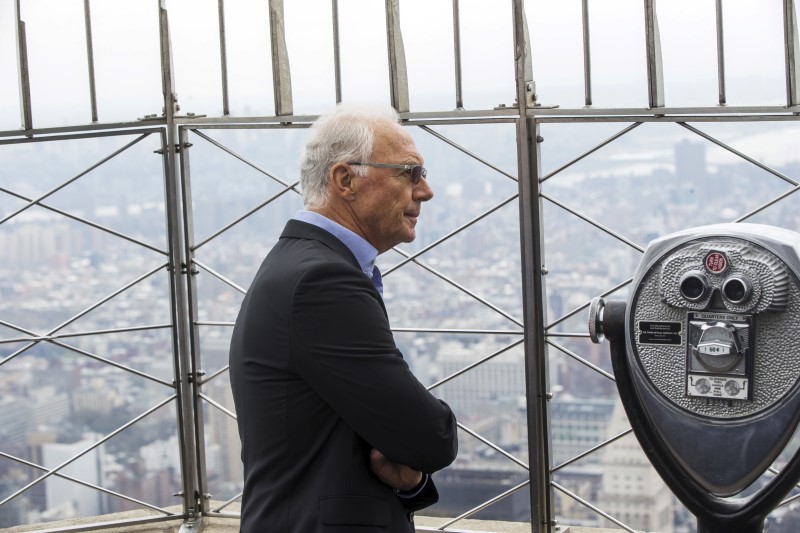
[125,34]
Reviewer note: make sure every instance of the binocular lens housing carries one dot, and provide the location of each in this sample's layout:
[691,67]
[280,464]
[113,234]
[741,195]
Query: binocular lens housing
[694,286]
[737,289]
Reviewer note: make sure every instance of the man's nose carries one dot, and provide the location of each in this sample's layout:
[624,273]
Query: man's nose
[423,191]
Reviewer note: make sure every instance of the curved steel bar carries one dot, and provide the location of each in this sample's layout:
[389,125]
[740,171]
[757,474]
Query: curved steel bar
[227,503]
[462,288]
[493,446]
[241,218]
[590,152]
[86,484]
[214,375]
[592,507]
[113,363]
[773,470]
[465,151]
[593,222]
[584,306]
[34,337]
[485,504]
[113,330]
[73,179]
[84,312]
[218,275]
[245,160]
[476,363]
[74,458]
[591,450]
[449,235]
[736,152]
[768,204]
[87,222]
[581,360]
[218,405]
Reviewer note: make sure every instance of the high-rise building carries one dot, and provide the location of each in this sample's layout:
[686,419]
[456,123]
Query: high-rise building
[632,491]
[68,495]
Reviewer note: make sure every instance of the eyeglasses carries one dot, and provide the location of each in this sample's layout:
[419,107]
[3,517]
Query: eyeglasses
[416,172]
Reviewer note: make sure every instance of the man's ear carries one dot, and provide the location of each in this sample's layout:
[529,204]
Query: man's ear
[341,181]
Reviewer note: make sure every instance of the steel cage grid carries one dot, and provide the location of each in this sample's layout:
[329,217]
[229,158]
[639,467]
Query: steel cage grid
[527,115]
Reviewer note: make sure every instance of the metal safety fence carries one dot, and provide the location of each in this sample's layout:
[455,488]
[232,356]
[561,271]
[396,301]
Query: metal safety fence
[488,305]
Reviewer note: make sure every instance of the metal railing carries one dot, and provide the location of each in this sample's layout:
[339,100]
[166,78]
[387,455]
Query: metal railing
[198,404]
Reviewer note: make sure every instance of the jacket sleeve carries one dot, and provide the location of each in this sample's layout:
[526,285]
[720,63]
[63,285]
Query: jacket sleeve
[343,347]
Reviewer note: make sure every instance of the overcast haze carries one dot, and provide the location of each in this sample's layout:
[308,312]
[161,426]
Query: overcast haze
[125,35]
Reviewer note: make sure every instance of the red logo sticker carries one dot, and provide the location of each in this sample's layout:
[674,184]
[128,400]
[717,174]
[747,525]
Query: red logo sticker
[716,262]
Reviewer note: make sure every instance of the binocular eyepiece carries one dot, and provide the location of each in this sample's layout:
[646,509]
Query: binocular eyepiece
[736,289]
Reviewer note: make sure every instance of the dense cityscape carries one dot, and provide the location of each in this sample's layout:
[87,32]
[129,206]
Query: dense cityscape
[99,370]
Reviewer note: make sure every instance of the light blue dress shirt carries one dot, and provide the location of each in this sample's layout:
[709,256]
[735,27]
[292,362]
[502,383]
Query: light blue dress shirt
[363,251]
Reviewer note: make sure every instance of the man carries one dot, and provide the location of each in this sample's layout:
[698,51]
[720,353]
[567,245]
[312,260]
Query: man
[337,434]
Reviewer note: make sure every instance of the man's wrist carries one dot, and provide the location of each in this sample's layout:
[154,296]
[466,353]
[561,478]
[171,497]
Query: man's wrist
[414,491]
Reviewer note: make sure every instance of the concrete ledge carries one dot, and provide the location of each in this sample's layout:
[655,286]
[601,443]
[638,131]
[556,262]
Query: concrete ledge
[110,523]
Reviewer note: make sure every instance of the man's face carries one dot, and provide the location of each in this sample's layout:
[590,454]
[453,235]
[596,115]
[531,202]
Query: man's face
[387,204]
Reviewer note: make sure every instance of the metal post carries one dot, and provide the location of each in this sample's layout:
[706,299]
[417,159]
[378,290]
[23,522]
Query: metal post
[223,57]
[281,76]
[184,372]
[337,64]
[22,69]
[531,246]
[397,58]
[792,53]
[587,60]
[87,14]
[457,53]
[720,54]
[191,303]
[655,70]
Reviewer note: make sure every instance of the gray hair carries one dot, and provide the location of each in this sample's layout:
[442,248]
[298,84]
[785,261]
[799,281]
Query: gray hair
[345,134]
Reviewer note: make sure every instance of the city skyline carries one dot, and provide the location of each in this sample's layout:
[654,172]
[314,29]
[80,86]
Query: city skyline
[482,260]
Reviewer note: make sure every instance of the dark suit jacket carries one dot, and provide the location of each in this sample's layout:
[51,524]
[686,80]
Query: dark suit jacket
[318,382]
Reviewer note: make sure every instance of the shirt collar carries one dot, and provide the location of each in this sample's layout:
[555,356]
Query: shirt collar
[363,251]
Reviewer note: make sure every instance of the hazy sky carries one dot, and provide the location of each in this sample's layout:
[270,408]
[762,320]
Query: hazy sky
[125,34]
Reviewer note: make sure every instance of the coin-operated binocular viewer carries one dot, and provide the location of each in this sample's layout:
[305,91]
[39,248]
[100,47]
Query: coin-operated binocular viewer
[706,354]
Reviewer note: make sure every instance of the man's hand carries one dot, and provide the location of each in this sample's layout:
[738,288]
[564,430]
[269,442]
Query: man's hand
[397,476]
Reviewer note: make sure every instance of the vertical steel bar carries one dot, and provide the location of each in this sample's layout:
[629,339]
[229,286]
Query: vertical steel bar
[398,75]
[792,52]
[23,75]
[281,75]
[223,57]
[87,16]
[531,246]
[720,54]
[191,306]
[181,350]
[655,70]
[337,65]
[587,60]
[457,53]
